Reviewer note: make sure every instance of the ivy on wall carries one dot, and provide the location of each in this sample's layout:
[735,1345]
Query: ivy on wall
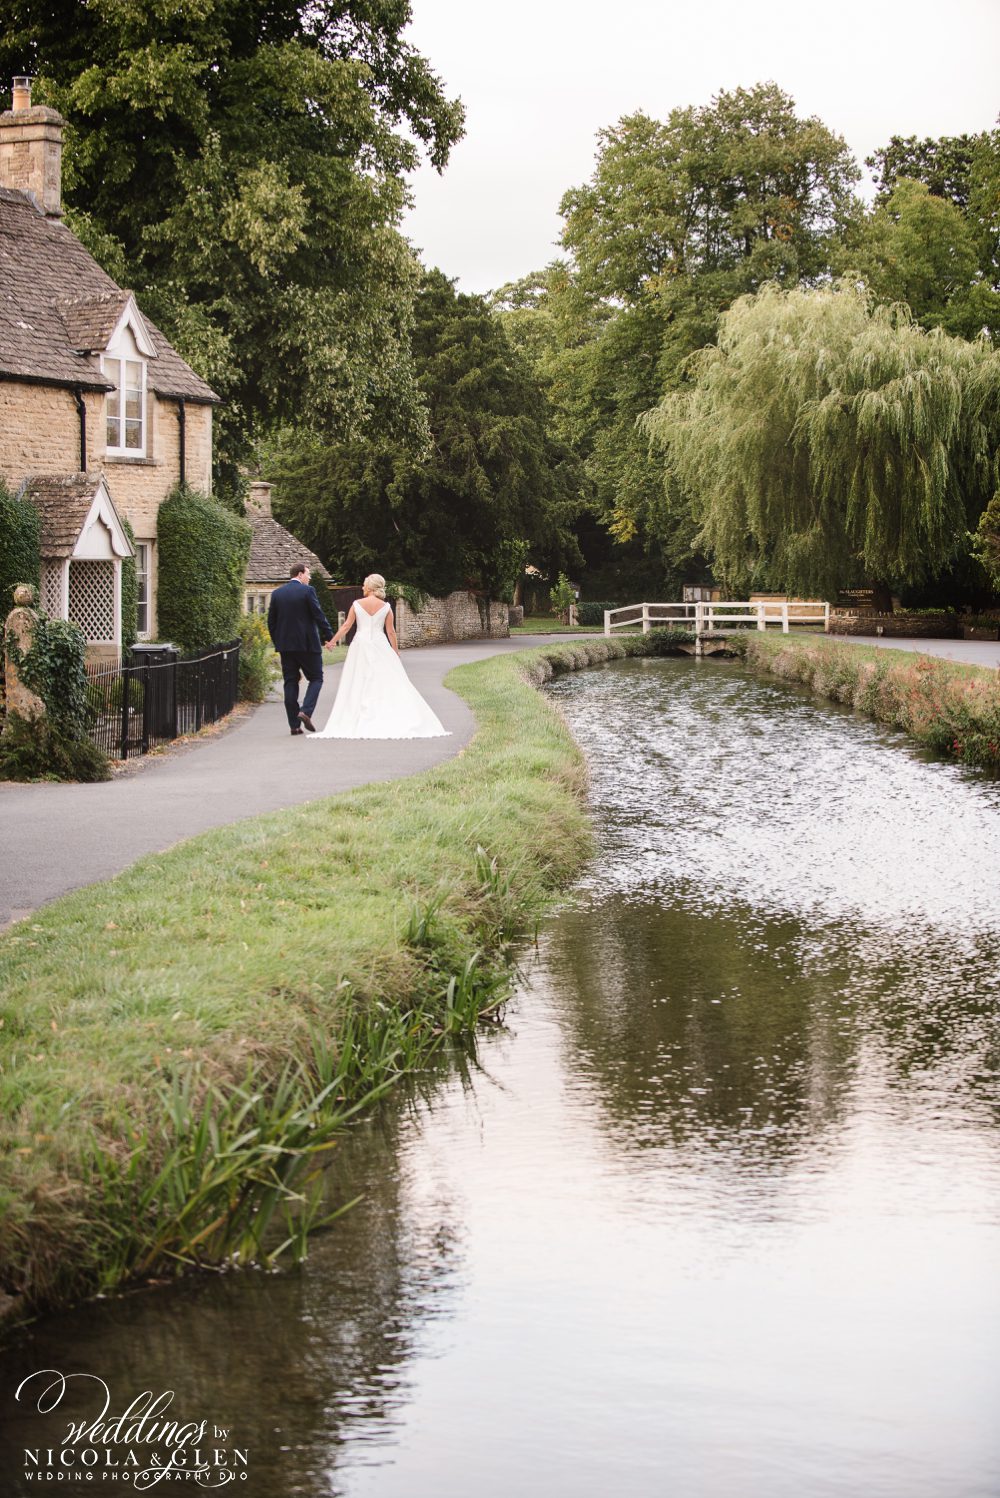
[130,593]
[415,597]
[203,554]
[20,542]
[55,746]
[53,668]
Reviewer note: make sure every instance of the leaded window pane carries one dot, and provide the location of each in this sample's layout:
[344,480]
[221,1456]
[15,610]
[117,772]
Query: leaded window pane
[112,368]
[124,405]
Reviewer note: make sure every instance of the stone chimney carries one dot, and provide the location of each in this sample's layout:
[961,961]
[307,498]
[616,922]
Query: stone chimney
[31,150]
[259,498]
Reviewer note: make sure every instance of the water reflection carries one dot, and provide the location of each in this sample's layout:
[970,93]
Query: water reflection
[719,1214]
[694,1035]
[291,1364]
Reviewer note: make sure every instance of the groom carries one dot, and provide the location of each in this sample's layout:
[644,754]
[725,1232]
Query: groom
[297,624]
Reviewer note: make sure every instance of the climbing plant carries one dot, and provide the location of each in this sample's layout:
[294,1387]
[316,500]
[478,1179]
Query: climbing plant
[203,553]
[414,596]
[54,746]
[20,539]
[130,593]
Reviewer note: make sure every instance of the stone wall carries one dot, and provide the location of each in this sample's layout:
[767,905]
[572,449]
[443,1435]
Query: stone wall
[40,434]
[456,617]
[139,486]
[40,431]
[900,625]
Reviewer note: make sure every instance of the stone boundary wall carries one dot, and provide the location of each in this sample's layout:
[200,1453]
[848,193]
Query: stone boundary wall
[901,625]
[456,617]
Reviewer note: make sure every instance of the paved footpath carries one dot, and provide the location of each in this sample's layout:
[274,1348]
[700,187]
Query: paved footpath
[972,652]
[56,838]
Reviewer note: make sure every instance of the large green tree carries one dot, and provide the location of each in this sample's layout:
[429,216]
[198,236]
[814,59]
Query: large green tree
[558,329]
[942,164]
[241,164]
[678,219]
[920,249]
[919,243]
[827,440]
[741,189]
[493,487]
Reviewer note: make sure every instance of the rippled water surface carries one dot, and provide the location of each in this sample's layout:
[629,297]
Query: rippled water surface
[717,1215]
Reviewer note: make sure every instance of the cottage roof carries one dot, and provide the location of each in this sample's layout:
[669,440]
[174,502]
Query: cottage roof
[66,502]
[56,304]
[90,320]
[273,550]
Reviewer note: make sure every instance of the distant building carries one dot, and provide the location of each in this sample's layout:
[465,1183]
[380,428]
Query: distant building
[273,552]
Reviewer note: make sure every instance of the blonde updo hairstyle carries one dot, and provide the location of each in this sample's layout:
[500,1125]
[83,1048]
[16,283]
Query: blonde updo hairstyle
[374,583]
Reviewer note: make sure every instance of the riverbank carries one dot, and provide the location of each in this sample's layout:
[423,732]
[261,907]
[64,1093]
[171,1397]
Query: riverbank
[949,706]
[176,1042]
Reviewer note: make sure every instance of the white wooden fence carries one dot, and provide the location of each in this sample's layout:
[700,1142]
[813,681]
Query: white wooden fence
[716,618]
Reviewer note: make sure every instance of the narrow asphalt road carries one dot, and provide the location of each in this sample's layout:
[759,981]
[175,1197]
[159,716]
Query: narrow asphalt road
[57,838]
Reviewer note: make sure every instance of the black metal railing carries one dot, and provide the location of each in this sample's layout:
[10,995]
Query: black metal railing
[158,697]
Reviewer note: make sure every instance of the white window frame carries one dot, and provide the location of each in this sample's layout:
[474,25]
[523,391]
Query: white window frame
[144,574]
[117,375]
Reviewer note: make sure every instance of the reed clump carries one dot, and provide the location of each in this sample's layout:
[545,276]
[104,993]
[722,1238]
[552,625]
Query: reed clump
[948,706]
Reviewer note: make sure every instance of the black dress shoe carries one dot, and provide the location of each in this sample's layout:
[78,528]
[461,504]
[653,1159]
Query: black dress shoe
[307,722]
[296,731]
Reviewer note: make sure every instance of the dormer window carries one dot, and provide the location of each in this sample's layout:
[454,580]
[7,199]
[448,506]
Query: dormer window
[126,406]
[124,364]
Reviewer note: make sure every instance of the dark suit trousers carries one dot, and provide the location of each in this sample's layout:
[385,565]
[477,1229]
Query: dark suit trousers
[307,663]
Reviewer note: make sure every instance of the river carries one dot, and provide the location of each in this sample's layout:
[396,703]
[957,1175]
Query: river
[715,1215]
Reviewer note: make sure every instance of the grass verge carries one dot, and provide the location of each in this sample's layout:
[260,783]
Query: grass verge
[180,1045]
[949,706]
[549,624]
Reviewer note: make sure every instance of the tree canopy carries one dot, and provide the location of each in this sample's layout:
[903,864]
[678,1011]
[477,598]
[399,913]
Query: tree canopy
[943,165]
[933,238]
[679,221]
[678,218]
[741,189]
[920,249]
[828,439]
[494,487]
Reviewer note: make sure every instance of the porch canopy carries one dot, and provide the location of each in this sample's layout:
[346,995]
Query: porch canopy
[83,543]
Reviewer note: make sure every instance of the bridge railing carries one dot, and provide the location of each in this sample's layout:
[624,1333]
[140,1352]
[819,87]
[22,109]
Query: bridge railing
[718,617]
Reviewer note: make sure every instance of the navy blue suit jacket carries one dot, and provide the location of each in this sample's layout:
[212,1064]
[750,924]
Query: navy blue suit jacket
[295,620]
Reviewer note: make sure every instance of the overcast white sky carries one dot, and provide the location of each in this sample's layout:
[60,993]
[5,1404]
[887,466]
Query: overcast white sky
[539,78]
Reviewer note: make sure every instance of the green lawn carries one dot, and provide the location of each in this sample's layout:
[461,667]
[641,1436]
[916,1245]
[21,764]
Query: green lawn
[548,624]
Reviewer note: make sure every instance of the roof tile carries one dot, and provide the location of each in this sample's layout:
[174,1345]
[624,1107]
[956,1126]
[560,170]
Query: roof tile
[55,299]
[63,501]
[273,551]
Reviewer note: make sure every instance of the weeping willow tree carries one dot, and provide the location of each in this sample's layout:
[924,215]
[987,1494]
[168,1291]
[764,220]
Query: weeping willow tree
[827,441]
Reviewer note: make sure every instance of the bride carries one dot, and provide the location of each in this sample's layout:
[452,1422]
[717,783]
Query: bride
[375,698]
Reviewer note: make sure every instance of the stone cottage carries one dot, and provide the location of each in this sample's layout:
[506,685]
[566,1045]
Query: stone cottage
[99,416]
[273,551]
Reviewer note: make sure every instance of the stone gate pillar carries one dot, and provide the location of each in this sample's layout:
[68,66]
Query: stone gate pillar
[19,633]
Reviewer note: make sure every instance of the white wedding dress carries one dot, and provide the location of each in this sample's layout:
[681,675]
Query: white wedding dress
[375,698]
